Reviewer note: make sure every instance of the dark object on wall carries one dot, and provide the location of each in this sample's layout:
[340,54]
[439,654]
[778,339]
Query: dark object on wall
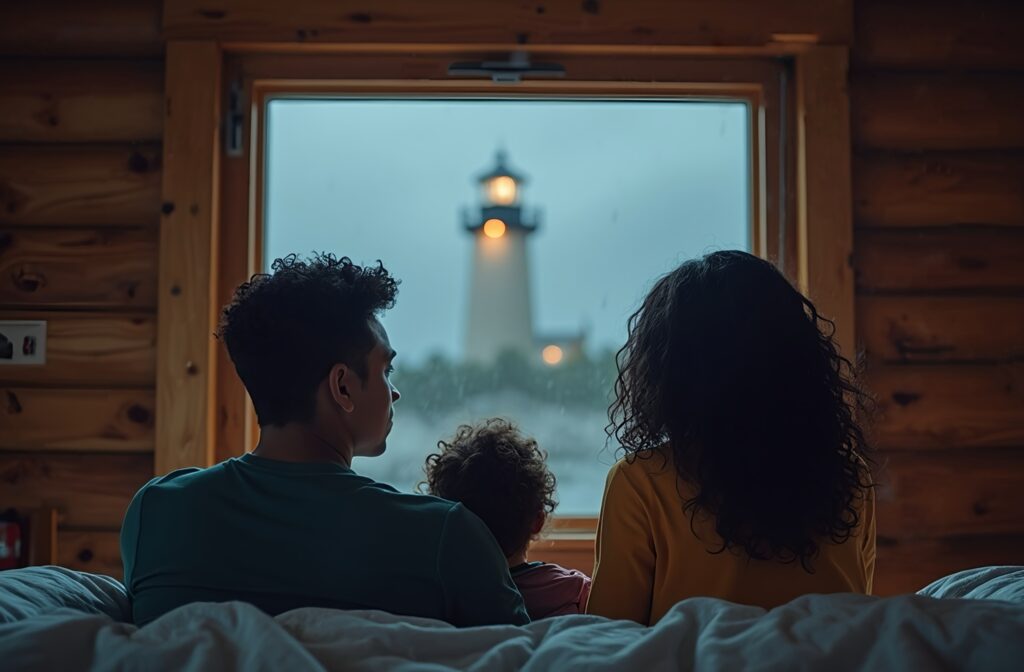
[6,348]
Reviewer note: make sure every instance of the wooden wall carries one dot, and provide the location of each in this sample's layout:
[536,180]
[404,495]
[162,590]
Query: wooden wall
[937,92]
[937,89]
[81,116]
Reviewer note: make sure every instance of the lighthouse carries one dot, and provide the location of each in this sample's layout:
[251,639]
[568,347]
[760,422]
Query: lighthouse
[500,316]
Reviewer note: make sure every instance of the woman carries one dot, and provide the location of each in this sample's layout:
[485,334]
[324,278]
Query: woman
[744,476]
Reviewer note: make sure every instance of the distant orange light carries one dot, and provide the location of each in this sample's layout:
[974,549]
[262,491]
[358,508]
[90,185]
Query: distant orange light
[552,355]
[494,228]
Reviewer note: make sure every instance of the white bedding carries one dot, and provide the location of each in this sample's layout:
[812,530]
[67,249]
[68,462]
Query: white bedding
[837,632]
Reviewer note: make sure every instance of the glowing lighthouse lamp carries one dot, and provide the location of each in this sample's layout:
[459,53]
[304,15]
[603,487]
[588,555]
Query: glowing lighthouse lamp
[500,313]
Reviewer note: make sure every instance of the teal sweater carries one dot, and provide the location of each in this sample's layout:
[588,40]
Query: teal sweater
[284,535]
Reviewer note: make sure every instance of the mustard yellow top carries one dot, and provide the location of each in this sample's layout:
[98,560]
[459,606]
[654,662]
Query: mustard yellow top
[648,559]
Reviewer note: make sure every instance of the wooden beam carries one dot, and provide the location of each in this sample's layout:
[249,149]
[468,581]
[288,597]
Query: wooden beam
[929,407]
[98,185]
[967,259]
[824,221]
[90,350]
[188,235]
[80,101]
[939,188]
[908,565]
[641,22]
[42,536]
[78,268]
[924,496]
[87,490]
[75,28]
[941,111]
[938,34]
[109,420]
[941,329]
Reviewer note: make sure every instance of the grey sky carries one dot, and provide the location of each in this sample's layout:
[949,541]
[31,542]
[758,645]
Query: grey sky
[626,190]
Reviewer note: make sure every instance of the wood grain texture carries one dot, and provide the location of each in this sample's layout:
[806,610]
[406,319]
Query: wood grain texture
[938,111]
[90,350]
[40,419]
[93,551]
[934,34]
[644,22]
[957,259]
[80,101]
[824,223]
[906,566]
[188,251]
[87,490]
[928,407]
[922,495]
[75,28]
[78,268]
[939,189]
[940,329]
[79,185]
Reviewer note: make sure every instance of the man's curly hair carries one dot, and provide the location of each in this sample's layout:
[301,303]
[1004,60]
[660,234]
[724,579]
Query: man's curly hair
[285,330]
[498,474]
[735,375]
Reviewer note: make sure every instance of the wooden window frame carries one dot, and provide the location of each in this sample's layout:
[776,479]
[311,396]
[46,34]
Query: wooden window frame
[213,199]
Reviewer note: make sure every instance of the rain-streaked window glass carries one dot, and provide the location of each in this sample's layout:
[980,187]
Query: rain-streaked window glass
[524,232]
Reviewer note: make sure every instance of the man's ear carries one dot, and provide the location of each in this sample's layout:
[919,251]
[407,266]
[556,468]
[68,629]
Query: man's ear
[340,382]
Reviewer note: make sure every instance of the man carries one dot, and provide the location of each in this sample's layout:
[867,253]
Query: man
[290,524]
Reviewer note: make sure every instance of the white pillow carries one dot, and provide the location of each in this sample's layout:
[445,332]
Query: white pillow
[984,583]
[39,590]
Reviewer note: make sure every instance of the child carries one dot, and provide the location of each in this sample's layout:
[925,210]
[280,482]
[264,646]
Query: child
[500,475]
[744,476]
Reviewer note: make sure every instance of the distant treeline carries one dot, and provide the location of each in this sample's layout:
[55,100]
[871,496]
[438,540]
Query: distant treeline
[440,384]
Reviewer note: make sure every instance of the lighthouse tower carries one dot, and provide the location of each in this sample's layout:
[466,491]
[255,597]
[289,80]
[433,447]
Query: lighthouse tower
[500,316]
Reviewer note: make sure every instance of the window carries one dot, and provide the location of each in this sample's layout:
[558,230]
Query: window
[525,231]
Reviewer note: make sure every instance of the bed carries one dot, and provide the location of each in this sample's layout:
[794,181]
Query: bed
[54,618]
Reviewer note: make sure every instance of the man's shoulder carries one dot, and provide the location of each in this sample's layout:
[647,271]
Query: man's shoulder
[416,504]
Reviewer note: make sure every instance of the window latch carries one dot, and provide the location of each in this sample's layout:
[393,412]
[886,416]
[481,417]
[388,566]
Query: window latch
[511,71]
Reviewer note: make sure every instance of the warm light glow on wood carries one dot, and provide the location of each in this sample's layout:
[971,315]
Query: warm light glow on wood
[552,355]
[494,228]
[502,190]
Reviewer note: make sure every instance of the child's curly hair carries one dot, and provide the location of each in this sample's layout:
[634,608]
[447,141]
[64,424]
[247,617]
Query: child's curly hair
[497,473]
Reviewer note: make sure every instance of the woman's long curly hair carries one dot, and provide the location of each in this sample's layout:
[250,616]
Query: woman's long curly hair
[737,374]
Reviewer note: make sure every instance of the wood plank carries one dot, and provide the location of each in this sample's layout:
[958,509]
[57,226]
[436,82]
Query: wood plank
[185,395]
[93,551]
[80,101]
[643,22]
[90,350]
[938,34]
[980,259]
[926,407]
[940,329]
[824,222]
[919,111]
[78,268]
[42,536]
[928,495]
[72,185]
[87,490]
[89,420]
[75,28]
[939,189]
[907,566]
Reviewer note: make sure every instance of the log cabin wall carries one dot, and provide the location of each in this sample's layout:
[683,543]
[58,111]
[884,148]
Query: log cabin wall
[81,116]
[937,93]
[938,180]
